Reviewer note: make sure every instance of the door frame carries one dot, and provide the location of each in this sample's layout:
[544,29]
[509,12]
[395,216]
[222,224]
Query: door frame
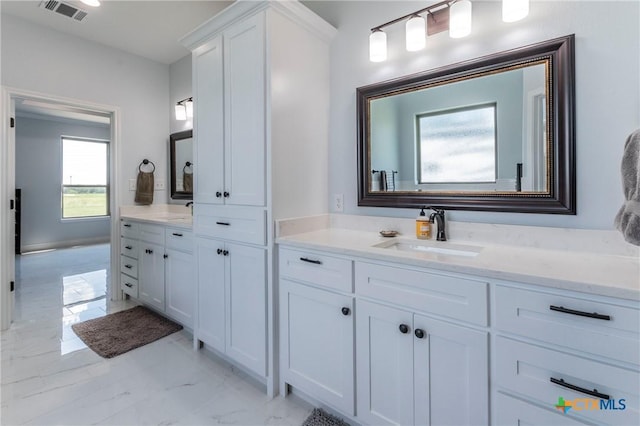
[7,189]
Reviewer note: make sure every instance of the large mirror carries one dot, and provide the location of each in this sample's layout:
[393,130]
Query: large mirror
[181,157]
[494,133]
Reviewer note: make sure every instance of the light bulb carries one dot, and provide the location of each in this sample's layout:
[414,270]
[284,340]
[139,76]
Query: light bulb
[181,112]
[415,33]
[94,3]
[460,19]
[189,107]
[378,46]
[514,10]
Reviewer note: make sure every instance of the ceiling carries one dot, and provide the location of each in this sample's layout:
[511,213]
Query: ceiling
[147,28]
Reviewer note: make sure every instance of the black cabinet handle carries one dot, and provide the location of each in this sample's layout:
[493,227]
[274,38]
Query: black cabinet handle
[177,234]
[404,328]
[346,311]
[226,194]
[148,251]
[561,382]
[164,256]
[315,262]
[127,225]
[225,252]
[128,266]
[219,251]
[218,194]
[128,285]
[419,333]
[580,313]
[128,247]
[223,223]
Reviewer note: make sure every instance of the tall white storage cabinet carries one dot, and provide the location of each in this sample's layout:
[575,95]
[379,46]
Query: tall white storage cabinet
[261,99]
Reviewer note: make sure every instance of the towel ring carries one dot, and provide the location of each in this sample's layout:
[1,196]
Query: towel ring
[187,164]
[145,162]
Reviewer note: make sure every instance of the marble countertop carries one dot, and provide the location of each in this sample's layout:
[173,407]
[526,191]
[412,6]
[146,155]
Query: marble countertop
[605,274]
[176,216]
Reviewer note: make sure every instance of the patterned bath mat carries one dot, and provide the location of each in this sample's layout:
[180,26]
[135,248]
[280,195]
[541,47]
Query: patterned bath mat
[117,333]
[319,417]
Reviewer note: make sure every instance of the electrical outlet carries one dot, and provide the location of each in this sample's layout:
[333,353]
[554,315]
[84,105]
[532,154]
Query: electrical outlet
[338,202]
[132,184]
[159,184]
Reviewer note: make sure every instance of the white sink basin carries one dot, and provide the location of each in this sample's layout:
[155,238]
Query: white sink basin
[431,247]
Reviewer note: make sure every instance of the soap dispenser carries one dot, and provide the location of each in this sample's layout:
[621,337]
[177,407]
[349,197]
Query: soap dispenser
[423,226]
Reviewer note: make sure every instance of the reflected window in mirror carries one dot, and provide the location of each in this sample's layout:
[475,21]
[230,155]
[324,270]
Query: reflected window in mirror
[182,168]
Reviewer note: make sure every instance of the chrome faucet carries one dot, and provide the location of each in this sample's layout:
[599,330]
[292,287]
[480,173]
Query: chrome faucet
[437,217]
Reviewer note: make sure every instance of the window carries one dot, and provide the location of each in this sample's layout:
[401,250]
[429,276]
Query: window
[457,146]
[85,178]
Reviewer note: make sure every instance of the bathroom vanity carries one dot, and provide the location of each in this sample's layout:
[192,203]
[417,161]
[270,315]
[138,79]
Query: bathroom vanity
[156,262]
[400,331]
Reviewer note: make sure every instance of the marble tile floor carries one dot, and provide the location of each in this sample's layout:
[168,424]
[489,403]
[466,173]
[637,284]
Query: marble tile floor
[49,377]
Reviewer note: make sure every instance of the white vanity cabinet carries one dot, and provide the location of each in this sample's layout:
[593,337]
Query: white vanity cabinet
[550,344]
[229,76]
[317,326]
[157,268]
[232,301]
[414,368]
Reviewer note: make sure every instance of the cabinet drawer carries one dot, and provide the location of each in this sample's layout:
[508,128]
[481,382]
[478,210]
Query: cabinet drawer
[129,247]
[129,266]
[179,239]
[514,412]
[317,268]
[243,224]
[128,229]
[529,369]
[444,295]
[129,285]
[151,233]
[529,313]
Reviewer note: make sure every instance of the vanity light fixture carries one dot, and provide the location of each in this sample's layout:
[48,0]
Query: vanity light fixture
[184,109]
[452,15]
[93,3]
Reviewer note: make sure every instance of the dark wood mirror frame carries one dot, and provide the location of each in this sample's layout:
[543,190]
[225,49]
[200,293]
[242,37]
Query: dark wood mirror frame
[177,195]
[561,198]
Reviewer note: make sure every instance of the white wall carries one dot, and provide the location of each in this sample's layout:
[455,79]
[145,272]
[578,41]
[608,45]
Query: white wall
[38,59]
[607,89]
[39,175]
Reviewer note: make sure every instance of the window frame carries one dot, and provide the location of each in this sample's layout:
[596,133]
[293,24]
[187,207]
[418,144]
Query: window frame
[107,186]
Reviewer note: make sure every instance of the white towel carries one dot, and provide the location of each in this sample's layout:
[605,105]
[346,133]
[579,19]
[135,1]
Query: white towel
[627,220]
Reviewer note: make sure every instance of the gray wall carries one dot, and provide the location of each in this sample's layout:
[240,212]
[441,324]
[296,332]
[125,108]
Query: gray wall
[607,89]
[39,175]
[38,59]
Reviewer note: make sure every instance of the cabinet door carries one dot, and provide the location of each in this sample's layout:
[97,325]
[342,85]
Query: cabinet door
[208,123]
[514,412]
[384,356]
[317,332]
[180,286]
[451,374]
[210,326]
[244,71]
[151,275]
[246,289]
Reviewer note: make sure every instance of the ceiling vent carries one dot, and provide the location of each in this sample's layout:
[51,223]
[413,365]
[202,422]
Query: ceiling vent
[65,9]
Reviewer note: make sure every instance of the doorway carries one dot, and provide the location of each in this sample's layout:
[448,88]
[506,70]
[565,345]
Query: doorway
[19,105]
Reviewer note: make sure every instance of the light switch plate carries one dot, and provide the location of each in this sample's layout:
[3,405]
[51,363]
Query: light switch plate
[132,184]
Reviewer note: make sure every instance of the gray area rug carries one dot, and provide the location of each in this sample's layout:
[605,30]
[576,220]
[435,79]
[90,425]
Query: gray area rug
[117,333]
[319,417]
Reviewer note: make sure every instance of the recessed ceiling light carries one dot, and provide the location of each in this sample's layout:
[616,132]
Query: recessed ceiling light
[94,3]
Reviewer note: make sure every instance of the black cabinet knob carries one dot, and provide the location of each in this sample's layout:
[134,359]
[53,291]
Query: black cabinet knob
[226,194]
[346,311]
[404,328]
[128,247]
[225,252]
[150,251]
[165,256]
[218,194]
[219,251]
[419,333]
[128,285]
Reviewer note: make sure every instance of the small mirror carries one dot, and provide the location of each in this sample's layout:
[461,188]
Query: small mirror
[494,133]
[181,153]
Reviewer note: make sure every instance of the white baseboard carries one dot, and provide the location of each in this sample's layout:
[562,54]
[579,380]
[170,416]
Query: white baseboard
[63,244]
